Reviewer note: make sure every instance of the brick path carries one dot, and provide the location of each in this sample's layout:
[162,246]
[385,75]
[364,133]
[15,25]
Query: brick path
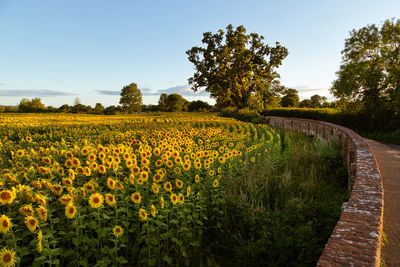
[388,158]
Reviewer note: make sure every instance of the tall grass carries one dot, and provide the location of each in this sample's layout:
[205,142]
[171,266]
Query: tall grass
[281,210]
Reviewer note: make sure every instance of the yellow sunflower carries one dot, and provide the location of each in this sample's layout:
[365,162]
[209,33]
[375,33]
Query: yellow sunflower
[70,211]
[31,223]
[7,197]
[197,179]
[110,199]
[118,231]
[155,188]
[174,198]
[7,257]
[188,191]
[142,214]
[42,213]
[215,183]
[153,211]
[162,202]
[5,224]
[179,183]
[136,197]
[39,246]
[26,210]
[96,200]
[168,186]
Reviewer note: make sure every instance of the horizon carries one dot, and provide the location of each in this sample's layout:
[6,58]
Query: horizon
[60,51]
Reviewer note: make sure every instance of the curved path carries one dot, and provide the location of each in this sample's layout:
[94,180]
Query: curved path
[388,159]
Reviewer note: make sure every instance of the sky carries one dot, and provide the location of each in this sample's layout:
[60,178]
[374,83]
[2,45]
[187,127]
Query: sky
[61,50]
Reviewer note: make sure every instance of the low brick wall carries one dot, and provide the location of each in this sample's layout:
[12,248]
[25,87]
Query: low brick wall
[356,239]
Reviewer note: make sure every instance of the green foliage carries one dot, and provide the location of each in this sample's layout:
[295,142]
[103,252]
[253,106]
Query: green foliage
[235,66]
[281,211]
[370,71]
[131,98]
[34,105]
[172,102]
[290,98]
[198,106]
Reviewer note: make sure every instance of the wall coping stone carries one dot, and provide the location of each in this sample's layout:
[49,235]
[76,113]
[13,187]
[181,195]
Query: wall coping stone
[356,238]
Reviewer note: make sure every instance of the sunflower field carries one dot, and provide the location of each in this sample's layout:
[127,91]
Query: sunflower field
[80,190]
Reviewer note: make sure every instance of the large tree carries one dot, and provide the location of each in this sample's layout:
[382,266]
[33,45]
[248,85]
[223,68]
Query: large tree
[234,66]
[290,98]
[370,70]
[131,98]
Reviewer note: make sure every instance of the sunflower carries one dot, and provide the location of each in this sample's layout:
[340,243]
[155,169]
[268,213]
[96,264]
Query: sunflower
[26,210]
[57,189]
[96,200]
[181,198]
[153,210]
[136,197]
[188,191]
[159,163]
[174,198]
[65,199]
[110,199]
[67,182]
[211,172]
[102,169]
[5,224]
[31,222]
[118,231]
[162,202]
[168,186]
[179,183]
[197,179]
[7,197]
[155,188]
[39,246]
[142,214]
[70,211]
[144,176]
[215,183]
[42,213]
[111,183]
[7,257]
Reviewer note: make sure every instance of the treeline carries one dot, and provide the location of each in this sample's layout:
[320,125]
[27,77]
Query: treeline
[169,103]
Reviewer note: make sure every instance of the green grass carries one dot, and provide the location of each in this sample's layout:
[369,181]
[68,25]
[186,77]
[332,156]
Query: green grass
[281,211]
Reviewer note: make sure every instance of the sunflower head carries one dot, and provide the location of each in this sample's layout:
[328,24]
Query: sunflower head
[31,223]
[5,224]
[110,199]
[136,197]
[142,214]
[7,257]
[118,231]
[70,211]
[96,200]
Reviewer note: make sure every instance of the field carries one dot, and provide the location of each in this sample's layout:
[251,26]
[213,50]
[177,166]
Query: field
[146,190]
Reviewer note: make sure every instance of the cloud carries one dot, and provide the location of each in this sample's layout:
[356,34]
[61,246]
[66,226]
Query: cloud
[106,92]
[308,88]
[184,90]
[34,93]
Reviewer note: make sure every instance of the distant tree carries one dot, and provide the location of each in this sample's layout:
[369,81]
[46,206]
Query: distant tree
[306,103]
[198,105]
[98,109]
[175,102]
[112,110]
[370,70]
[163,102]
[34,105]
[235,67]
[79,108]
[290,98]
[65,108]
[316,101]
[131,98]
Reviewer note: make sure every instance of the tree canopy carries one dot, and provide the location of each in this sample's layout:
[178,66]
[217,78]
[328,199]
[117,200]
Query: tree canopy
[235,67]
[131,98]
[370,70]
[172,102]
[290,98]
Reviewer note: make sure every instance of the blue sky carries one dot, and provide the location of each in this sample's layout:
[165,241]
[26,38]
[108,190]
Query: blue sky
[60,50]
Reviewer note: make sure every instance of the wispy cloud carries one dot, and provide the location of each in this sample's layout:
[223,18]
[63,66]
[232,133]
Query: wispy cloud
[184,90]
[308,88]
[34,93]
[107,92]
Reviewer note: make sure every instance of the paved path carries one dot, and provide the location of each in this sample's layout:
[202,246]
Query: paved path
[388,158]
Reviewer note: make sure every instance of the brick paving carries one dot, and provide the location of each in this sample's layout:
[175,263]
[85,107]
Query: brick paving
[388,158]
